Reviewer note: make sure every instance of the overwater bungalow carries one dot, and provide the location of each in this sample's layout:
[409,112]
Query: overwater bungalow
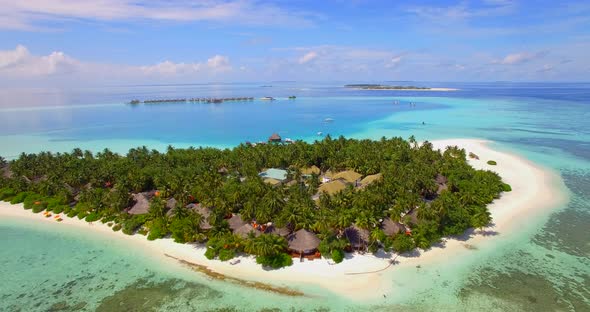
[391,227]
[275,138]
[357,237]
[303,242]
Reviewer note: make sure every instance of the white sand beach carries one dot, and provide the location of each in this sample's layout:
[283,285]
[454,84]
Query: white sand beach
[533,190]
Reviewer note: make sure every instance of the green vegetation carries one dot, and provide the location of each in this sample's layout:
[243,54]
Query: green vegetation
[99,187]
[492,162]
[383,87]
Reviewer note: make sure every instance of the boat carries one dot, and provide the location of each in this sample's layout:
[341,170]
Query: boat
[320,133]
[328,120]
[268,98]
[287,140]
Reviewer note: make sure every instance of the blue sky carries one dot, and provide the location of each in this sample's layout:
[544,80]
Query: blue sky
[132,41]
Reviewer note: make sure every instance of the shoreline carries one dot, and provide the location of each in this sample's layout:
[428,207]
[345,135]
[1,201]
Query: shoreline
[533,190]
[428,89]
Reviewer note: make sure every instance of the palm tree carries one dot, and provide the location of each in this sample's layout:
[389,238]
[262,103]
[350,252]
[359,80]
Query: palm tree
[269,245]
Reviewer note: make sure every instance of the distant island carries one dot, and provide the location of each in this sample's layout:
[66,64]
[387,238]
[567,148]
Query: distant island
[275,201]
[399,88]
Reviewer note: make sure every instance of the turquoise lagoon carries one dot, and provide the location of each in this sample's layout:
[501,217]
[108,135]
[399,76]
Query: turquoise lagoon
[543,267]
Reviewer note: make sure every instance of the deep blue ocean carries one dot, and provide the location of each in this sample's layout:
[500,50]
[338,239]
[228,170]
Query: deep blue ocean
[544,269]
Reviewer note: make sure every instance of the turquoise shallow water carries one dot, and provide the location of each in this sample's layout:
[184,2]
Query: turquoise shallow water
[544,267]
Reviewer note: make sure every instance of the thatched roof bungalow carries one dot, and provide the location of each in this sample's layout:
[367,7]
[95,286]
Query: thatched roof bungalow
[391,227]
[308,171]
[412,216]
[371,178]
[245,230]
[275,137]
[332,187]
[235,222]
[357,237]
[142,203]
[348,176]
[303,241]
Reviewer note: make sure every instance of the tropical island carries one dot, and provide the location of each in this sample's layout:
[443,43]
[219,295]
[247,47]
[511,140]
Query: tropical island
[275,201]
[399,88]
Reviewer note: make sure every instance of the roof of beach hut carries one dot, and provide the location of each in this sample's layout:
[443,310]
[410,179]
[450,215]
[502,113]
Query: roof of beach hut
[371,178]
[272,181]
[303,240]
[348,176]
[6,172]
[310,170]
[245,230]
[274,137]
[332,187]
[142,203]
[203,211]
[357,237]
[171,203]
[413,215]
[391,227]
[235,222]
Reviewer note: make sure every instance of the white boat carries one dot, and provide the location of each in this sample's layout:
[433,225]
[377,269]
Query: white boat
[288,140]
[320,133]
[268,98]
[328,120]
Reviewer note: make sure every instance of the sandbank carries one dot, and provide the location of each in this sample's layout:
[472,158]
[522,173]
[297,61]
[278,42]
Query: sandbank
[361,277]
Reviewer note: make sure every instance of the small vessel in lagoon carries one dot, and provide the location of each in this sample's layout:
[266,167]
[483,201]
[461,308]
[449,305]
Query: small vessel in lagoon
[320,133]
[288,140]
[268,98]
[328,120]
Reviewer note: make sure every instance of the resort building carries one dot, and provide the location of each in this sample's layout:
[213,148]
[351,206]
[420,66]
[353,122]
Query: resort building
[357,237]
[307,172]
[235,222]
[245,230]
[370,179]
[142,203]
[275,138]
[391,227]
[332,187]
[303,242]
[348,176]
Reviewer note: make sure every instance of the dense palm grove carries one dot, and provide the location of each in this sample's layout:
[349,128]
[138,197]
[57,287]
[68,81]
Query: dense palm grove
[99,187]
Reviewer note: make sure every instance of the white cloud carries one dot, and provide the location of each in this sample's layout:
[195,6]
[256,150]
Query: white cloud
[308,57]
[519,58]
[29,14]
[219,63]
[21,63]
